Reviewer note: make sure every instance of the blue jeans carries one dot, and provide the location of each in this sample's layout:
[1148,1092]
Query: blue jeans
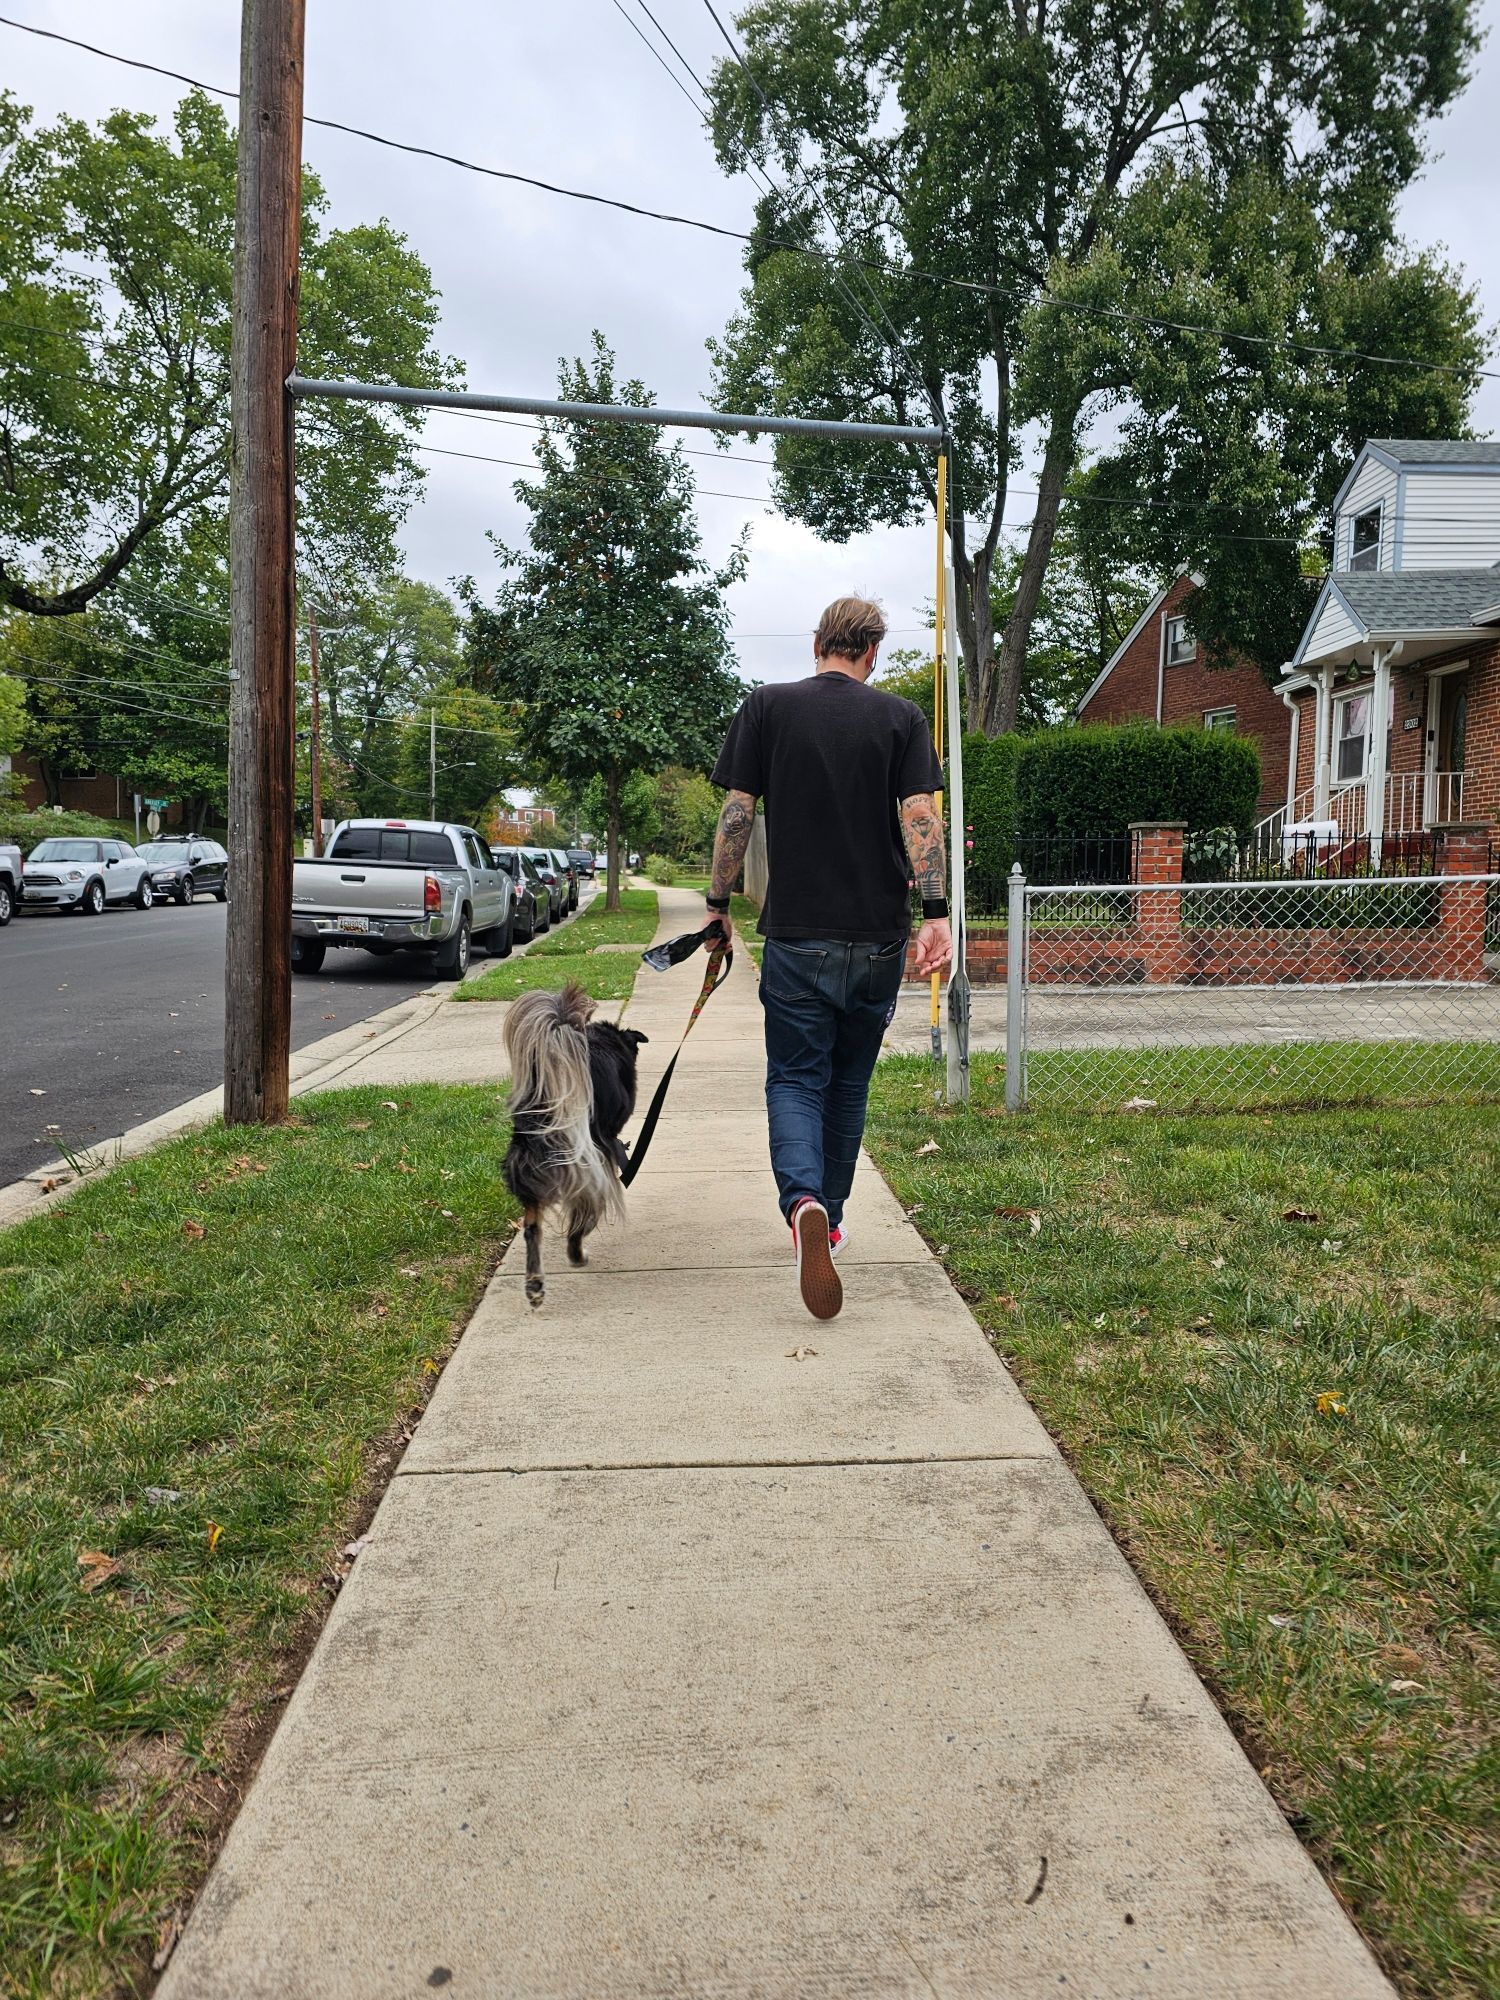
[827,1004]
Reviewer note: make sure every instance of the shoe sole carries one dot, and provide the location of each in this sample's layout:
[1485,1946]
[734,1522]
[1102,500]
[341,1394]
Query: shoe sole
[822,1289]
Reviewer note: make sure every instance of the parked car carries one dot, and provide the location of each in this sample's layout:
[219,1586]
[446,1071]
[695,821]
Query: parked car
[566,868]
[532,902]
[583,861]
[390,885]
[73,874]
[11,867]
[545,863]
[182,864]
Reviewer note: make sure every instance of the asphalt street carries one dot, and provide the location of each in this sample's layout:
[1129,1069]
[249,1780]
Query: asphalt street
[115,1019]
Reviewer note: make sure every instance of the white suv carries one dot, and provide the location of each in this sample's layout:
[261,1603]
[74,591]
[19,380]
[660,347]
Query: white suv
[86,874]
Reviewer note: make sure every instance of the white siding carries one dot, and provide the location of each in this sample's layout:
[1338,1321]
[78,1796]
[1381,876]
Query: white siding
[1335,631]
[1374,486]
[1451,520]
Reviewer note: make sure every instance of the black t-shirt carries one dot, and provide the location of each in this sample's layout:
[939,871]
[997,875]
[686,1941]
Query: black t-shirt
[831,757]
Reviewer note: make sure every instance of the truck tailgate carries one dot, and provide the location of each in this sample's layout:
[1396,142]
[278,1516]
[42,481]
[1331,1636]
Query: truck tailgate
[330,888]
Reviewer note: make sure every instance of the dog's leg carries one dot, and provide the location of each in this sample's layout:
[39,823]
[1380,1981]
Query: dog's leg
[536,1288]
[577,1230]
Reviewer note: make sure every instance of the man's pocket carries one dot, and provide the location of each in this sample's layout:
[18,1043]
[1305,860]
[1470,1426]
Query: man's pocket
[883,973]
[791,971]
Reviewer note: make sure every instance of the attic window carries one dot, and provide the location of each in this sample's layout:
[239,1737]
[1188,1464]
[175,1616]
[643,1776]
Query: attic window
[1364,540]
[1180,642]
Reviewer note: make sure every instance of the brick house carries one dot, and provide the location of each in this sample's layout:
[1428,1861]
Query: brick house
[1158,674]
[1395,683]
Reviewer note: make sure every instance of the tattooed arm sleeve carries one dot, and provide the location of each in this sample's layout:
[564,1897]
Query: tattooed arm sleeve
[922,830]
[736,824]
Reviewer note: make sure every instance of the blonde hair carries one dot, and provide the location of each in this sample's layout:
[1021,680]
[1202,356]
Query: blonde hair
[849,628]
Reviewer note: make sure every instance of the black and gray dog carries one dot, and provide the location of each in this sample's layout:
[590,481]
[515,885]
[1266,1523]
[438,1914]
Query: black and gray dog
[572,1093]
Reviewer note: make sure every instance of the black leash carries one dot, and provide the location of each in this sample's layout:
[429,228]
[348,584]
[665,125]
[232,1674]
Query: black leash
[660,958]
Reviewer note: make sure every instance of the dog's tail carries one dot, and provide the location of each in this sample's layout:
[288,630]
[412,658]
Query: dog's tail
[552,1100]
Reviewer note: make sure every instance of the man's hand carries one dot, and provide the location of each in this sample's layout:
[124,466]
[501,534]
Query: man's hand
[934,946]
[721,918]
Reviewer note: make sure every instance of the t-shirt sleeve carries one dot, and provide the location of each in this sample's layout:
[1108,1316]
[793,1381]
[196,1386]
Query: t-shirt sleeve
[741,766]
[920,770]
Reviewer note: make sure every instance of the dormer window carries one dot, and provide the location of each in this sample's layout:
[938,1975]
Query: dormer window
[1179,642]
[1364,540]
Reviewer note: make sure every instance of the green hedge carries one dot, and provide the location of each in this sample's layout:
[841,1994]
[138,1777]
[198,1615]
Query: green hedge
[1096,780]
[990,802]
[25,829]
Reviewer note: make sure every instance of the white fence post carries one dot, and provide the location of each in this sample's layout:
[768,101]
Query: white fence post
[1015,990]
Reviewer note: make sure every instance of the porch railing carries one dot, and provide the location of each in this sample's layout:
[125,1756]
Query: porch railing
[1414,800]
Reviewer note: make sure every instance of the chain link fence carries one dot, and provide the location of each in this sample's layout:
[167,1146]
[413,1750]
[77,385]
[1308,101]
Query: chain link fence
[1232,995]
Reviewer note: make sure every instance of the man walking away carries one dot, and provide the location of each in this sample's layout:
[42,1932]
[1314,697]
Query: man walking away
[847,773]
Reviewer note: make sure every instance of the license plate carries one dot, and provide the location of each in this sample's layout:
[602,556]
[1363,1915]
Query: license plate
[354,923]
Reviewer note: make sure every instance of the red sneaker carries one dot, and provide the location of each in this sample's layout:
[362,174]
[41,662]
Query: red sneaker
[838,1237]
[822,1292]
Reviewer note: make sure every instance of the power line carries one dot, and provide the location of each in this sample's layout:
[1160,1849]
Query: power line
[530,465]
[783,243]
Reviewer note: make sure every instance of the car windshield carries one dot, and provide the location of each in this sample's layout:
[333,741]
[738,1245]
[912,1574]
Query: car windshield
[66,850]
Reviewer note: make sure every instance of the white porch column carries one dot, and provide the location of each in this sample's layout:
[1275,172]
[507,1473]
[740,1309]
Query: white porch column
[1323,744]
[1375,761]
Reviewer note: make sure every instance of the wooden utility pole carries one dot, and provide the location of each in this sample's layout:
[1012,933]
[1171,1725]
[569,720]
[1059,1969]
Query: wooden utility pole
[262,565]
[317,731]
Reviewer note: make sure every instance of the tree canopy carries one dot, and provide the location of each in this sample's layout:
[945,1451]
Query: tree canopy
[610,630]
[1031,220]
[115,282]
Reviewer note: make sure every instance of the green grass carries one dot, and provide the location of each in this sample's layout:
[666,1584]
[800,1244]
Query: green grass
[1327,1565]
[1242,1077]
[253,1370]
[564,954]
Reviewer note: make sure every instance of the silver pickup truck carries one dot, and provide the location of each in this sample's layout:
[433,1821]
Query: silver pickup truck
[10,883]
[402,885]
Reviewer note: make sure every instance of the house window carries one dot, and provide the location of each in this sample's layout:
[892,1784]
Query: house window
[1351,738]
[1364,540]
[1219,718]
[1179,642]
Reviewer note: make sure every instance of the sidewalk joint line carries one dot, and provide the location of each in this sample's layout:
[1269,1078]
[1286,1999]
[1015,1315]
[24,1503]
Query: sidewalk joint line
[726,1464]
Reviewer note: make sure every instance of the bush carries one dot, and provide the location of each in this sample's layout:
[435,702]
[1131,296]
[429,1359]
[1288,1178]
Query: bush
[25,829]
[660,869]
[1097,779]
[990,807]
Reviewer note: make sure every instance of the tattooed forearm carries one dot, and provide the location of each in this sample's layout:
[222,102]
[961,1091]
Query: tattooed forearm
[736,824]
[922,830]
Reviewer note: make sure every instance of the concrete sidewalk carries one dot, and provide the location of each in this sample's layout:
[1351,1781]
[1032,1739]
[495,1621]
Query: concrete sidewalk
[680,1666]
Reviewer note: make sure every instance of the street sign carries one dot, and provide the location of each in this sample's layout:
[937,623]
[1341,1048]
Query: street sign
[158,805]
[153,824]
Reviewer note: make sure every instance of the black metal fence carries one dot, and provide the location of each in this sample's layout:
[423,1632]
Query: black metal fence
[1052,859]
[1215,856]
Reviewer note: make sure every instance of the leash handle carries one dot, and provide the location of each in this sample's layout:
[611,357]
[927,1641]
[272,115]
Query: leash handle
[720,960]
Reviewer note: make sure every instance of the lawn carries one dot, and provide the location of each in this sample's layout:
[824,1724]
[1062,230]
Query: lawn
[208,1362]
[1267,1345]
[566,953]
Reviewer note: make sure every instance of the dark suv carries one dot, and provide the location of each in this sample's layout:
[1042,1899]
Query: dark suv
[533,904]
[183,864]
[583,861]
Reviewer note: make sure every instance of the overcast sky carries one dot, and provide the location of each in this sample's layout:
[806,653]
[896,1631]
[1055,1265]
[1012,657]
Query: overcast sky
[567,91]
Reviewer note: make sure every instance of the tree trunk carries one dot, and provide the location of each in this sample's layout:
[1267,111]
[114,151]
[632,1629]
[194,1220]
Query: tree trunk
[612,836]
[1003,693]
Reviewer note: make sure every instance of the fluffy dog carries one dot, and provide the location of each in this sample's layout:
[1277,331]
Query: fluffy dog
[572,1092]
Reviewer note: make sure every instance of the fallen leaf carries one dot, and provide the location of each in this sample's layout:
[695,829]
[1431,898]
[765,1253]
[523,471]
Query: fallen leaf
[353,1549]
[1100,1318]
[363,1166]
[1139,1104]
[410,1271]
[97,1569]
[38,1093]
[194,1229]
[1333,1245]
[931,1146]
[1404,1687]
[54,1182]
[359,1124]
[1281,1619]
[389,1104]
[1032,1217]
[330,1017]
[448,1212]
[1216,1263]
[1300,1215]
[802,1354]
[1331,1404]
[215,1536]
[429,1366]
[166,1943]
[160,1496]
[405,1167]
[1007,1302]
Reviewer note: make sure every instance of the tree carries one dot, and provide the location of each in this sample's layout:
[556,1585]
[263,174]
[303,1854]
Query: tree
[475,755]
[114,397]
[689,810]
[1008,201]
[611,630]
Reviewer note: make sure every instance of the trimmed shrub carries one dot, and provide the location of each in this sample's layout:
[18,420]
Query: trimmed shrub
[990,810]
[25,829]
[1096,779]
[661,869]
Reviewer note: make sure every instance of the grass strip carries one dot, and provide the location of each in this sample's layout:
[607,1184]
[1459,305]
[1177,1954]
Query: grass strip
[569,953]
[1245,1077]
[206,1361]
[1266,1343]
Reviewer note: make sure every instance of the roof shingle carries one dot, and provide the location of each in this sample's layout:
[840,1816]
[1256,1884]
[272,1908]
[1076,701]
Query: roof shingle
[1440,451]
[1417,600]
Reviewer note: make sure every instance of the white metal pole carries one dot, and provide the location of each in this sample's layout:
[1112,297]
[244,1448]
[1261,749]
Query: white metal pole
[432,763]
[958,977]
[1015,989]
